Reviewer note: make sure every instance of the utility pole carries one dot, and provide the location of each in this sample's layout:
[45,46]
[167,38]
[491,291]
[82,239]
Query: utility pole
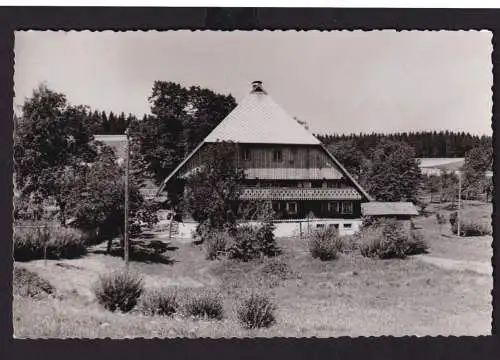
[459,200]
[125,225]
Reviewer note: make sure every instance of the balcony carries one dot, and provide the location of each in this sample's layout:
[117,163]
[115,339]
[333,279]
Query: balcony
[299,194]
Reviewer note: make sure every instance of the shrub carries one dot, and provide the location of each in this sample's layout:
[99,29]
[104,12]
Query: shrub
[119,290]
[245,246]
[325,243]
[216,243]
[29,284]
[441,218]
[416,243]
[453,218]
[205,305]
[470,228]
[256,311]
[159,302]
[60,243]
[265,238]
[390,239]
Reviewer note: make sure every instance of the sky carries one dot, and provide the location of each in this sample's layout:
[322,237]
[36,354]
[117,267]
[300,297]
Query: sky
[338,81]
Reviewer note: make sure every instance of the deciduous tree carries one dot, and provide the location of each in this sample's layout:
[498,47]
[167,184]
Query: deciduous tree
[395,174]
[211,191]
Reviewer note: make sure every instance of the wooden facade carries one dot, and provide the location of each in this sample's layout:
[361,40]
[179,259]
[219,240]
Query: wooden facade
[299,181]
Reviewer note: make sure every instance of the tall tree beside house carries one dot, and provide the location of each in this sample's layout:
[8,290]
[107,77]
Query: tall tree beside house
[211,191]
[180,119]
[51,141]
[394,174]
[350,157]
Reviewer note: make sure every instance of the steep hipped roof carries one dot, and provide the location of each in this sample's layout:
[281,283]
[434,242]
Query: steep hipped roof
[258,119]
[377,208]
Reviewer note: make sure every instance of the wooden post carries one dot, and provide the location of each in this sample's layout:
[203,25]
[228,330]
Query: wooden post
[459,201]
[125,225]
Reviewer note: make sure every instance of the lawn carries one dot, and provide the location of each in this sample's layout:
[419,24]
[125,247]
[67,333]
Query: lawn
[350,296]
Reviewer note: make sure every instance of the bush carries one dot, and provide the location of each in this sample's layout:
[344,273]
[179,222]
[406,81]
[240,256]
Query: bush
[265,238]
[325,243]
[416,244]
[216,243]
[60,243]
[245,246]
[205,305]
[470,228]
[159,302]
[453,218]
[29,284]
[119,290]
[390,239]
[256,311]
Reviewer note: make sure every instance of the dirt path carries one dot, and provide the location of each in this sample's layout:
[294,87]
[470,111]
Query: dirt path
[480,267]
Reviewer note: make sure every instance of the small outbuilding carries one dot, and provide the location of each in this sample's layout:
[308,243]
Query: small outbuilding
[397,210]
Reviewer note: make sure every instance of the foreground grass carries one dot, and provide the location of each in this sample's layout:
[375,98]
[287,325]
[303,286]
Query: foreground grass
[350,296]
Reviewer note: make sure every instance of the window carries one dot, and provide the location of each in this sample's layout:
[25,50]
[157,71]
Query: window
[318,226]
[277,155]
[347,207]
[333,206]
[276,206]
[335,226]
[291,207]
[245,154]
[347,226]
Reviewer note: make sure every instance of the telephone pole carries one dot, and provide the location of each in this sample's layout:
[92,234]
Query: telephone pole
[125,225]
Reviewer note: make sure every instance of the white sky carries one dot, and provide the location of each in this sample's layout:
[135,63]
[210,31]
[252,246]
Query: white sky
[343,82]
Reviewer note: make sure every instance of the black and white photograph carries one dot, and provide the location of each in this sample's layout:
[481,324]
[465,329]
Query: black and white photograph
[211,184]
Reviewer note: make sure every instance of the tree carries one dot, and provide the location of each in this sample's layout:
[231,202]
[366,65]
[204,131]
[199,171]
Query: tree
[349,156]
[180,119]
[51,141]
[477,162]
[395,174]
[97,199]
[212,191]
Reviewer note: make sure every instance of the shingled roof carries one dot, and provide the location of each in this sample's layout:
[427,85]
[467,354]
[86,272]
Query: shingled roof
[258,119]
[377,208]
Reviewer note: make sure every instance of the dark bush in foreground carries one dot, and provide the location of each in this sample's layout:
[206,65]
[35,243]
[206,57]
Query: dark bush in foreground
[31,243]
[390,239]
[325,244]
[119,290]
[205,305]
[29,284]
[469,228]
[256,311]
[159,302]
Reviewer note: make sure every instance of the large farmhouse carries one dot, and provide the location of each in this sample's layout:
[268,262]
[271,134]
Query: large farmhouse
[283,164]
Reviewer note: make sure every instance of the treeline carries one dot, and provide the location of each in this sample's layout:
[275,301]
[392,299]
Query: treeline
[427,144]
[103,123]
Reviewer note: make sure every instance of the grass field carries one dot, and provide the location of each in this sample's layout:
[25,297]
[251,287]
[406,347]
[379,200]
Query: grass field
[350,296]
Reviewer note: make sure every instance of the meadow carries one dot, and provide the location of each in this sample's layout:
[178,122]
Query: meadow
[444,292]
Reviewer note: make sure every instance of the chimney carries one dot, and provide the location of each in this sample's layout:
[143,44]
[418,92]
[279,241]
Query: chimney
[257,87]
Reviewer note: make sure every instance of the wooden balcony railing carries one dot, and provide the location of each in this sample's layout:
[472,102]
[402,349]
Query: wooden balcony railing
[299,194]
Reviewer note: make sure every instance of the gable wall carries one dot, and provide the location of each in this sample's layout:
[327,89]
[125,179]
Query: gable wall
[262,157]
